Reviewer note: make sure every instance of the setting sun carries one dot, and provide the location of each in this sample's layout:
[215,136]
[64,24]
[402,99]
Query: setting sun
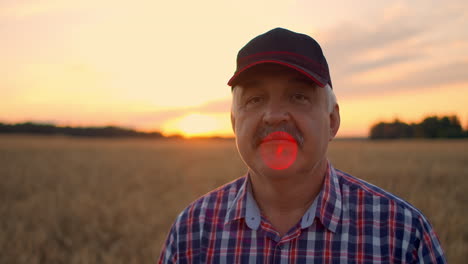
[196,125]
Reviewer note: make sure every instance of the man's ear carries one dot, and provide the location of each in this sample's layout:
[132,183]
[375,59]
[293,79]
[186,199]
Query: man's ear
[334,122]
[233,123]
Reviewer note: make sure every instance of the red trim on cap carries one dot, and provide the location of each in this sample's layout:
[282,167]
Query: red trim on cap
[277,62]
[286,53]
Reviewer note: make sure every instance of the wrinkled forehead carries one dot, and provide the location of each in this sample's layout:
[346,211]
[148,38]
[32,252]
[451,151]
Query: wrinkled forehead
[253,76]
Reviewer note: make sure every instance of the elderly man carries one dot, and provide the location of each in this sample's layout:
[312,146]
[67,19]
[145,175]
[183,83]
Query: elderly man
[293,206]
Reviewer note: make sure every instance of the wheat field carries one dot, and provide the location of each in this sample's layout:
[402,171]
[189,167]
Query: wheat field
[75,200]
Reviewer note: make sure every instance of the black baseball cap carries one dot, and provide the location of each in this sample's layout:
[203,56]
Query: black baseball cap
[281,46]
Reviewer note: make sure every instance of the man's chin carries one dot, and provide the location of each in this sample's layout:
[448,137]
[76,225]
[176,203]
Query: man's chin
[266,172]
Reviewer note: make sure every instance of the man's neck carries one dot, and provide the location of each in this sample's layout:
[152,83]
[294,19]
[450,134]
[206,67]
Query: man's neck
[284,200]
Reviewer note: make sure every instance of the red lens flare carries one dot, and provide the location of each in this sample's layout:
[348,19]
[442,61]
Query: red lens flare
[278,150]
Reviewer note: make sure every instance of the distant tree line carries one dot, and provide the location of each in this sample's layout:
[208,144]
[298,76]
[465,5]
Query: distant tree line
[49,129]
[430,127]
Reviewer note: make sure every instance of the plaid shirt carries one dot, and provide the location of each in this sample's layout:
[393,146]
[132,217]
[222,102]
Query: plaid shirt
[350,221]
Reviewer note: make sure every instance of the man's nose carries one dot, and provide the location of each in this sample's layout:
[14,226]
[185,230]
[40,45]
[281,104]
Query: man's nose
[275,114]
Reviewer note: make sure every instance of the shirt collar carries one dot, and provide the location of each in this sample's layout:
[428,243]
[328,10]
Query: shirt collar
[252,212]
[326,207]
[244,206]
[329,201]
[237,206]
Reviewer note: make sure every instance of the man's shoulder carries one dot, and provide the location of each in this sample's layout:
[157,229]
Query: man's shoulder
[356,188]
[390,212]
[227,190]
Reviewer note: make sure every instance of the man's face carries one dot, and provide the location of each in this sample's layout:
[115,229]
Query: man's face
[271,98]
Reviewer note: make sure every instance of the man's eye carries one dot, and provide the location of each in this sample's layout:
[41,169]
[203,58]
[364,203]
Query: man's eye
[254,100]
[300,97]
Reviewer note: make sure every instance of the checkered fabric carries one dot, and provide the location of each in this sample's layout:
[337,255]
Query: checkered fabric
[350,221]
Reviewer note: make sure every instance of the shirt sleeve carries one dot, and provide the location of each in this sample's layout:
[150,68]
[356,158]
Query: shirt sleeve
[169,249]
[428,248]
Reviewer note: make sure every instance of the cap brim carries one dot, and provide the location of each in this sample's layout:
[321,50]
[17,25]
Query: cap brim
[312,76]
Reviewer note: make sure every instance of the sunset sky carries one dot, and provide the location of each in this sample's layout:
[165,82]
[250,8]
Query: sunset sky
[164,65]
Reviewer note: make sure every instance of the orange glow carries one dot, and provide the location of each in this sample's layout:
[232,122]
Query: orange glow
[152,65]
[198,125]
[357,115]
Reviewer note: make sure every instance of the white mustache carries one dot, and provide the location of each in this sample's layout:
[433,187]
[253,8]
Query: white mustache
[264,131]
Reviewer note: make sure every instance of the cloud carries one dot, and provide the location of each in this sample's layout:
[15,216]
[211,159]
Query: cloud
[437,75]
[218,106]
[162,116]
[378,63]
[432,77]
[407,48]
[348,41]
[158,117]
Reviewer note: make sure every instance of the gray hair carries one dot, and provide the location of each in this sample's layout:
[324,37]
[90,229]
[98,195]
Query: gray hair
[331,98]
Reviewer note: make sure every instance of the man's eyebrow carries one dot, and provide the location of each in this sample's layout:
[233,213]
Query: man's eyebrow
[247,86]
[244,87]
